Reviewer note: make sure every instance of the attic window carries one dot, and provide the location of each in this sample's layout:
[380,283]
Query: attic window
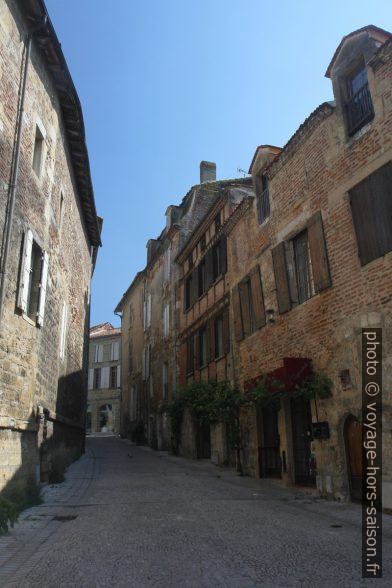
[359,106]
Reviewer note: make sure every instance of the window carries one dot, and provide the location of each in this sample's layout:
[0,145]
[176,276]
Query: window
[218,334]
[371,206]
[166,265]
[263,202]
[219,259]
[217,222]
[301,265]
[63,332]
[115,351]
[147,311]
[203,244]
[188,291]
[302,262]
[165,380]
[190,260]
[97,378]
[203,346]
[359,106]
[202,277]
[190,354]
[33,279]
[166,320]
[146,362]
[38,150]
[248,305]
[113,376]
[98,353]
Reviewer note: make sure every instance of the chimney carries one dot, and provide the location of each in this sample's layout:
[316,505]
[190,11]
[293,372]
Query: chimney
[207,172]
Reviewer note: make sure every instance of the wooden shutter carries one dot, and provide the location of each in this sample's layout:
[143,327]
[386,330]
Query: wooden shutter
[209,268]
[245,309]
[223,249]
[23,293]
[364,221]
[318,253]
[197,350]
[226,332]
[90,378]
[238,331]
[291,272]
[281,281]
[381,189]
[211,340]
[42,290]
[257,297]
[119,376]
[100,353]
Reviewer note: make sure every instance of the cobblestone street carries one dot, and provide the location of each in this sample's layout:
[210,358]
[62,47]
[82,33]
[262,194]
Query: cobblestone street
[130,517]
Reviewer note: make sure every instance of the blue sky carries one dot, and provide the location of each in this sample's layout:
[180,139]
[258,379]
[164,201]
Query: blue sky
[166,83]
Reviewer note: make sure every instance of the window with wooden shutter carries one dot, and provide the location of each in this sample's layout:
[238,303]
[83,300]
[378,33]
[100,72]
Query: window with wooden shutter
[188,292]
[24,281]
[190,354]
[235,297]
[223,248]
[203,347]
[209,268]
[226,331]
[63,330]
[213,349]
[246,307]
[195,285]
[90,378]
[318,253]
[257,297]
[371,206]
[217,334]
[281,281]
[42,288]
[119,376]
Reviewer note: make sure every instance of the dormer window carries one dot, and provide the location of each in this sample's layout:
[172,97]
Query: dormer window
[263,203]
[359,106]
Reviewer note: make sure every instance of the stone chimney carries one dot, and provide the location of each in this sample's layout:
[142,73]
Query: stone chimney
[207,172]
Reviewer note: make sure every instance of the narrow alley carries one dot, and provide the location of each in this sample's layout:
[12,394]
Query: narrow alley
[127,516]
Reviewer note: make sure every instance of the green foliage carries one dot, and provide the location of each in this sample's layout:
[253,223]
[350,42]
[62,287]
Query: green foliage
[9,513]
[219,402]
[209,402]
[26,496]
[271,392]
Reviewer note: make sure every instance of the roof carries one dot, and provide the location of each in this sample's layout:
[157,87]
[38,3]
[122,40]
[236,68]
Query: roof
[272,148]
[45,38]
[104,330]
[313,120]
[381,34]
[128,290]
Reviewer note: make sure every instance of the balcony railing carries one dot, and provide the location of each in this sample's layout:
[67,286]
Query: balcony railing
[359,110]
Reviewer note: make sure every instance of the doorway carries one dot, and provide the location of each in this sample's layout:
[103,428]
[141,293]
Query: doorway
[203,440]
[301,418]
[353,441]
[269,450]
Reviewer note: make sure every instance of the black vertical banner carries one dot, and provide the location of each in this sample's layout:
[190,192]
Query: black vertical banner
[371,453]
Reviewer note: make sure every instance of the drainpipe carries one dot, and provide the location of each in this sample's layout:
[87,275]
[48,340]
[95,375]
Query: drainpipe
[15,170]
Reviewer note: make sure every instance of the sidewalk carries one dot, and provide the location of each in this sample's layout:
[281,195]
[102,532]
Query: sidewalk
[24,545]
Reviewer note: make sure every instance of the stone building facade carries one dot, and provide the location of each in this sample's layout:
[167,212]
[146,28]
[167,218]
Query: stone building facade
[104,380]
[50,233]
[318,235]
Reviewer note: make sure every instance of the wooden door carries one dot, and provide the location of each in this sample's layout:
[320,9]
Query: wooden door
[353,439]
[203,440]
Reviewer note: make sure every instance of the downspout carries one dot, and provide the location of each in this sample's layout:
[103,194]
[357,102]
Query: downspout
[15,172]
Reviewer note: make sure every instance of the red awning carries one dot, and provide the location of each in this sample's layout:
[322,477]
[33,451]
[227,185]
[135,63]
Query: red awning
[293,371]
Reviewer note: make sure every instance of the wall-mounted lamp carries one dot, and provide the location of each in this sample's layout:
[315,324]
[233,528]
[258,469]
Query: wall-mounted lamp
[270,315]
